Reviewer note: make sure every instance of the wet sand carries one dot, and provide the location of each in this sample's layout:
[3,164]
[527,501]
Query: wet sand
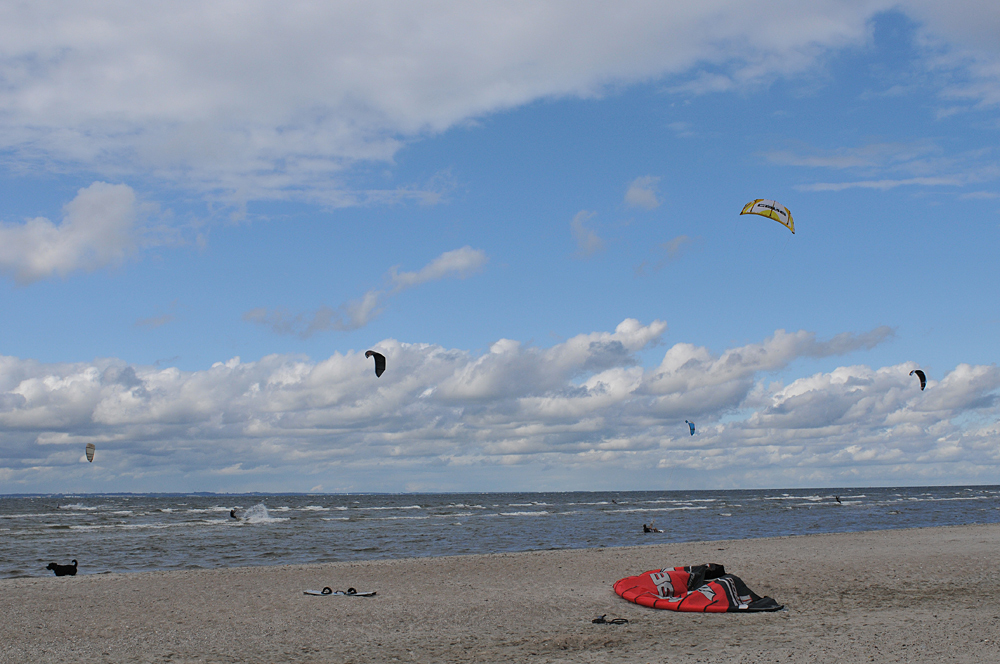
[921,595]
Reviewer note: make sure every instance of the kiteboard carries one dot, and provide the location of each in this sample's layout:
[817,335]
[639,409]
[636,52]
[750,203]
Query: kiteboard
[695,588]
[350,592]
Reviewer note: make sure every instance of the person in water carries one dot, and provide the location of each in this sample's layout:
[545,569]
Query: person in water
[232,513]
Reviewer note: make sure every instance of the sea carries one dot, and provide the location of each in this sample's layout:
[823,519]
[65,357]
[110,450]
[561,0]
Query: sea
[144,532]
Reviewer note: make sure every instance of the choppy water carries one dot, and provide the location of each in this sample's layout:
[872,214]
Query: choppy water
[126,533]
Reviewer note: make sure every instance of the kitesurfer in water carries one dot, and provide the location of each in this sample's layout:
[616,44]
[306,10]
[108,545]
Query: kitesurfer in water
[232,513]
[650,529]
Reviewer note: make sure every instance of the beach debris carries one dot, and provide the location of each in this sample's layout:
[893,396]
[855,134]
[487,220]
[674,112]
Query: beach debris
[698,588]
[772,210]
[90,452]
[922,376]
[351,592]
[690,425]
[62,570]
[379,362]
[614,621]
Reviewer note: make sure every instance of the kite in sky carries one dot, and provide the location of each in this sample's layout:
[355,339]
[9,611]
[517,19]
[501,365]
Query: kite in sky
[691,425]
[771,209]
[922,377]
[379,361]
[90,452]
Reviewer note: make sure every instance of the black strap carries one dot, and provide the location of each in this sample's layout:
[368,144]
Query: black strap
[613,621]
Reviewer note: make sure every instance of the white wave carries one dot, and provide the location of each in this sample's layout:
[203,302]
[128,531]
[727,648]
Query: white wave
[336,518]
[542,513]
[77,506]
[407,507]
[259,514]
[314,508]
[664,509]
[21,516]
[128,526]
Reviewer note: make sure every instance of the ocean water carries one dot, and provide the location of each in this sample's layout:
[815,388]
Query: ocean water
[138,532]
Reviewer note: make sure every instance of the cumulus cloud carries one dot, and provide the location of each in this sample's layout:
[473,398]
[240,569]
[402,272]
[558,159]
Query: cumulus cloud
[98,230]
[587,241]
[459,264]
[587,405]
[281,100]
[642,193]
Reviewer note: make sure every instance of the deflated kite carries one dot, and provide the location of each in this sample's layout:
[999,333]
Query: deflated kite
[691,425]
[771,209]
[697,588]
[90,452]
[922,377]
[379,362]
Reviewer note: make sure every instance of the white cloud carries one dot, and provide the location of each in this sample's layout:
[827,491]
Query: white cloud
[909,165]
[882,184]
[588,242]
[584,407]
[262,100]
[642,193]
[459,263]
[98,230]
[272,100]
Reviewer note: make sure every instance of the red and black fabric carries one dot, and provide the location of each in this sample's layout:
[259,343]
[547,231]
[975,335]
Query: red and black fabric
[700,588]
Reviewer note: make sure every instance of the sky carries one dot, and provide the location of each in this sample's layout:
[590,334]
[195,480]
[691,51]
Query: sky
[209,211]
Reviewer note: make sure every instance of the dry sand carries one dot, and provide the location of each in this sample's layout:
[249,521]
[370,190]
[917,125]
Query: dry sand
[922,595]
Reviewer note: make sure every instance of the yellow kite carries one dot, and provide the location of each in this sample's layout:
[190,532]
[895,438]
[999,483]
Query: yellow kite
[772,209]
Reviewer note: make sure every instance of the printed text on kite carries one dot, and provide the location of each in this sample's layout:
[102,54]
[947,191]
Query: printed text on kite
[771,209]
[379,361]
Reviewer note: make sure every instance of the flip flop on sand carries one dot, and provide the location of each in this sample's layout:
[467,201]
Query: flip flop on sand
[350,591]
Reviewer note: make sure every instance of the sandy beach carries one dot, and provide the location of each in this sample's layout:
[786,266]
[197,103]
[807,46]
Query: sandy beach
[921,595]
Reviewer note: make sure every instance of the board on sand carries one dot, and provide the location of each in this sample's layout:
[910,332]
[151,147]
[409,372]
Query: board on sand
[351,592]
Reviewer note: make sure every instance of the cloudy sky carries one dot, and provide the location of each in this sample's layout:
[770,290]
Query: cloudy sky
[209,211]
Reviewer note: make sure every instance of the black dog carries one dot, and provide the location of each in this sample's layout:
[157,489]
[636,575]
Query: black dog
[63,570]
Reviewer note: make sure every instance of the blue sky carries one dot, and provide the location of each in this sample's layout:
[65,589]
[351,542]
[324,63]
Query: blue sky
[532,210]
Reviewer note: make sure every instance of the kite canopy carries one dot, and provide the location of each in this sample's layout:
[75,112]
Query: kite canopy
[696,588]
[922,377]
[379,361]
[773,210]
[691,425]
[90,452]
